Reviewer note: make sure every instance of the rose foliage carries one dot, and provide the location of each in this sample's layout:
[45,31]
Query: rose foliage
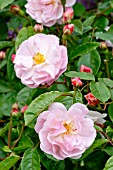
[56,84]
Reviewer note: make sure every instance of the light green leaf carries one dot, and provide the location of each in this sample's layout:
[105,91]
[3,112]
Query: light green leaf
[23,34]
[4,3]
[78,26]
[108,82]
[91,60]
[97,143]
[30,160]
[4,129]
[100,91]
[83,49]
[39,104]
[110,111]
[82,75]
[109,164]
[4,44]
[7,163]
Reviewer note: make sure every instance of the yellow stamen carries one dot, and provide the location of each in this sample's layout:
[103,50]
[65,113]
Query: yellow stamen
[70,129]
[38,58]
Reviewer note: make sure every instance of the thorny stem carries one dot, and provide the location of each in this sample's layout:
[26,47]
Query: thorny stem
[18,137]
[105,134]
[9,132]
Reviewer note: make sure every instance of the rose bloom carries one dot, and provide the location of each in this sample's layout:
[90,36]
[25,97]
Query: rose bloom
[47,12]
[40,60]
[92,100]
[65,133]
[86,69]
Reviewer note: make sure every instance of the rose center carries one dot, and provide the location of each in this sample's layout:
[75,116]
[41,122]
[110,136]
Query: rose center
[70,128]
[38,58]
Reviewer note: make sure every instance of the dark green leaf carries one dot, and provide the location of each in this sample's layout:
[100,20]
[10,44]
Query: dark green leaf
[30,160]
[108,150]
[91,60]
[4,129]
[83,49]
[110,111]
[79,10]
[4,87]
[89,21]
[4,44]
[100,91]
[82,75]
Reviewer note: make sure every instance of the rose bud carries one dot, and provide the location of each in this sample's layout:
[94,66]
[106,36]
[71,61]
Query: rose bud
[76,82]
[92,100]
[68,29]
[38,28]
[86,69]
[2,55]
[24,109]
[14,112]
[15,105]
[68,15]
[14,9]
[13,57]
[103,45]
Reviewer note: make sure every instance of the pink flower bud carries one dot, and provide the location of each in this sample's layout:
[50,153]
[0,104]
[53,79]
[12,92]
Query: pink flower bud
[86,69]
[24,109]
[68,15]
[2,55]
[14,9]
[14,112]
[92,100]
[13,57]
[38,28]
[68,29]
[76,82]
[103,45]
[15,106]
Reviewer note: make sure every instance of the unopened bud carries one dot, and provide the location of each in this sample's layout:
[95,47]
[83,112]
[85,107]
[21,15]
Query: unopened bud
[15,106]
[13,57]
[76,82]
[14,9]
[14,112]
[38,28]
[68,15]
[2,55]
[68,29]
[92,100]
[103,46]
[24,109]
[86,69]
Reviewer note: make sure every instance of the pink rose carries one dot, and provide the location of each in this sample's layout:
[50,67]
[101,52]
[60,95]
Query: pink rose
[76,81]
[47,12]
[65,133]
[40,60]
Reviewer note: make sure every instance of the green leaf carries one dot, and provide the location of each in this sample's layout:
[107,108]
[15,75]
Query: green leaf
[97,143]
[4,87]
[24,143]
[108,82]
[7,163]
[23,34]
[78,97]
[91,60]
[83,49]
[4,129]
[108,150]
[104,36]
[4,44]
[6,149]
[4,3]
[10,65]
[109,129]
[100,91]
[109,164]
[89,21]
[79,9]
[3,29]
[110,111]
[25,95]
[78,26]
[30,160]
[39,104]
[101,22]
[82,75]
